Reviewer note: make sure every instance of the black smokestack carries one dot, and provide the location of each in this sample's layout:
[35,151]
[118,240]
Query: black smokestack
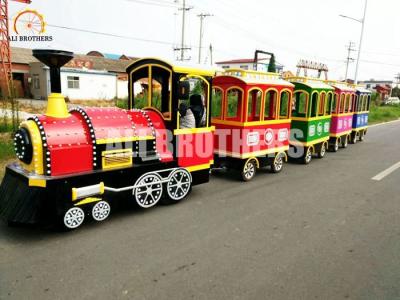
[54,59]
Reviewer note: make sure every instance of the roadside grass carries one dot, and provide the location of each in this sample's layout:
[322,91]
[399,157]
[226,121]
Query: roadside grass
[6,151]
[385,113]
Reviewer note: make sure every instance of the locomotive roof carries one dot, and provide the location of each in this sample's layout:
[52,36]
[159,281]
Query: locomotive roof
[179,67]
[254,77]
[312,83]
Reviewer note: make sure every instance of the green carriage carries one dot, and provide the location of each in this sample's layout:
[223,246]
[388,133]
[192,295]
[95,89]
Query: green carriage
[311,118]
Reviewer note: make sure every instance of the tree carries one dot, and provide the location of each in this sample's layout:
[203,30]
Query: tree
[272,65]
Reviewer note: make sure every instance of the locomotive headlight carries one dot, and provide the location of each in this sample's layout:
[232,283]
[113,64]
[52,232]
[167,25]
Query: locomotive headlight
[23,145]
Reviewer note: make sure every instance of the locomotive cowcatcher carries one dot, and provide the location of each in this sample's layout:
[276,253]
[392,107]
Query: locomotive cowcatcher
[71,162]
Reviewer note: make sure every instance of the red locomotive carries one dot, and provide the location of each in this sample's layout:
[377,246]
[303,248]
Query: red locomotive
[70,161]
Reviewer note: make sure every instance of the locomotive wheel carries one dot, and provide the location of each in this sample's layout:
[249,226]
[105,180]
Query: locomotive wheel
[101,210]
[307,156]
[277,164]
[74,217]
[353,138]
[322,151]
[149,191]
[345,142]
[179,184]
[249,170]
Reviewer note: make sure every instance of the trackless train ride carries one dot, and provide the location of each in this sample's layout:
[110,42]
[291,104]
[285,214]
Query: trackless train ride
[70,163]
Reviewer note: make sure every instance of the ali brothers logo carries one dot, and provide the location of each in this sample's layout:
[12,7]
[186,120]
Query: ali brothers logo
[29,26]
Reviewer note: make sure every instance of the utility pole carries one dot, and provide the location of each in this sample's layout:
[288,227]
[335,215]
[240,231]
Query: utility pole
[202,16]
[211,54]
[350,48]
[182,49]
[361,41]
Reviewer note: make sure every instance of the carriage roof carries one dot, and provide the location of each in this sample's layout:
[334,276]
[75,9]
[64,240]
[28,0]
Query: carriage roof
[255,77]
[312,83]
[342,86]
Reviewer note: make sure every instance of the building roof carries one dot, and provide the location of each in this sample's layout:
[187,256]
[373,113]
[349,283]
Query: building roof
[24,56]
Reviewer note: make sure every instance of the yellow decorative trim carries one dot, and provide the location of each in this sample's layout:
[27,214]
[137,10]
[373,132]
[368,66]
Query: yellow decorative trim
[198,167]
[120,153]
[37,182]
[256,159]
[74,194]
[87,201]
[194,130]
[124,139]
[310,119]
[251,154]
[250,124]
[360,128]
[361,112]
[340,134]
[102,188]
[311,143]
[37,159]
[342,115]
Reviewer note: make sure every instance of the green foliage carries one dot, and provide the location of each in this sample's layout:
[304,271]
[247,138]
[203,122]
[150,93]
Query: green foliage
[198,88]
[6,149]
[233,98]
[121,103]
[272,64]
[396,92]
[6,126]
[216,104]
[384,113]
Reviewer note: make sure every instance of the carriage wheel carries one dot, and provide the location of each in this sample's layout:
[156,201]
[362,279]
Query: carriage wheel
[101,210]
[354,138]
[307,156]
[149,190]
[74,217]
[249,170]
[345,141]
[277,164]
[361,138]
[322,151]
[179,184]
[335,146]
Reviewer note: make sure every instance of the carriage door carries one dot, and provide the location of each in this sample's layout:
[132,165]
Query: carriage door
[194,135]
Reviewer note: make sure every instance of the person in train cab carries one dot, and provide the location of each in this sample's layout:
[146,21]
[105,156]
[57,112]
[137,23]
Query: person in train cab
[197,107]
[187,118]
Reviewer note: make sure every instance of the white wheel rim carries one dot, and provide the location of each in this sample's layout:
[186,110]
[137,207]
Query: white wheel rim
[179,184]
[101,210]
[278,163]
[337,145]
[249,170]
[323,150]
[149,191]
[308,155]
[74,217]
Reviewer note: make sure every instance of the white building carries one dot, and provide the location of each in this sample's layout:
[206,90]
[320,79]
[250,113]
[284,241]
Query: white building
[248,64]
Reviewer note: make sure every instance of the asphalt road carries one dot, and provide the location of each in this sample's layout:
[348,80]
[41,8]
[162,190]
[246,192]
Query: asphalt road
[322,231]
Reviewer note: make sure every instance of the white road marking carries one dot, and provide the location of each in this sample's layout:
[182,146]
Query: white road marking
[387,172]
[384,123]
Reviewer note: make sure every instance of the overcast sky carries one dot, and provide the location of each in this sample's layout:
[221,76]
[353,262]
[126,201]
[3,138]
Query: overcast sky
[292,29]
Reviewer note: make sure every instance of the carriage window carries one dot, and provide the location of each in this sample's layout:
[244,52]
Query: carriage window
[154,92]
[300,105]
[234,101]
[314,105]
[198,99]
[216,109]
[254,105]
[329,104]
[353,103]
[284,105]
[368,102]
[348,103]
[335,103]
[365,100]
[321,109]
[342,104]
[270,105]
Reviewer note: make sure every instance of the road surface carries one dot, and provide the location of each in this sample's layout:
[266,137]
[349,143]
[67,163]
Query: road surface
[322,231]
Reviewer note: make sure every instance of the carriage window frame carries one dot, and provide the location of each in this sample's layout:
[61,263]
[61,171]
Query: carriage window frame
[368,102]
[288,105]
[313,105]
[250,104]
[239,111]
[329,102]
[322,104]
[221,112]
[150,79]
[342,104]
[275,107]
[297,112]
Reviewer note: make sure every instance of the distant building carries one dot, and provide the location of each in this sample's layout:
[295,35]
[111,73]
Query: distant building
[91,76]
[372,84]
[247,64]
